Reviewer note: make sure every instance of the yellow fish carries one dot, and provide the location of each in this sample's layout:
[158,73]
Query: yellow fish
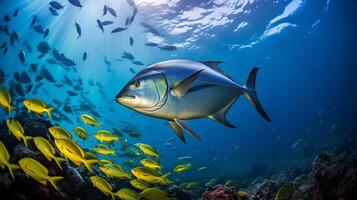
[102,185]
[151,164]
[138,184]
[104,161]
[59,133]
[81,132]
[106,136]
[17,130]
[47,150]
[148,150]
[155,194]
[104,150]
[38,106]
[113,170]
[126,194]
[90,120]
[182,168]
[91,155]
[201,168]
[150,176]
[193,185]
[5,99]
[74,153]
[37,171]
[4,160]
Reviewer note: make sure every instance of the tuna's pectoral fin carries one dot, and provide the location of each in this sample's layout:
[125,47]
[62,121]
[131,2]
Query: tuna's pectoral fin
[184,126]
[181,89]
[178,130]
[220,116]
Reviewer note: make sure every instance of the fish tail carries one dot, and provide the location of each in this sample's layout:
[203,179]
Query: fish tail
[10,108]
[26,138]
[251,93]
[58,161]
[54,181]
[165,180]
[89,163]
[49,110]
[12,168]
[112,194]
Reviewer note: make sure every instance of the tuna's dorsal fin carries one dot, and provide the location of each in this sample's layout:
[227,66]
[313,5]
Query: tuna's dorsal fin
[184,126]
[181,89]
[214,65]
[220,116]
[178,130]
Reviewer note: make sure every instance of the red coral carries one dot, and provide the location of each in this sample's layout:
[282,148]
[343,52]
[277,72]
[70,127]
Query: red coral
[219,192]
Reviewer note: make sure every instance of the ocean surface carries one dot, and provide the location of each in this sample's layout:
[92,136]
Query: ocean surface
[305,51]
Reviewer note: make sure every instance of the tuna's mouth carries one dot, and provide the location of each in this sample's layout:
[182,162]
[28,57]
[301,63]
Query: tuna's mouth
[121,98]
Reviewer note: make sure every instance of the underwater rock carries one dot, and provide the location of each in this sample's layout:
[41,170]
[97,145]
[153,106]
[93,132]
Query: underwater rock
[178,193]
[220,192]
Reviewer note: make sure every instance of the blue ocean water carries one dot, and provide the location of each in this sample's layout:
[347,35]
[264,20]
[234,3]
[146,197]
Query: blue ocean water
[305,51]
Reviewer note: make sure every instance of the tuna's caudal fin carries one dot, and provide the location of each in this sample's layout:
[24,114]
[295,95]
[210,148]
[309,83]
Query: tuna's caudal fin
[251,93]
[54,181]
[49,111]
[89,163]
[12,168]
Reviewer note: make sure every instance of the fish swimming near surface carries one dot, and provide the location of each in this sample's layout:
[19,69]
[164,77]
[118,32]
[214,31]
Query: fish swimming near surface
[56,5]
[119,29]
[100,25]
[76,3]
[173,90]
[105,23]
[53,11]
[22,57]
[78,29]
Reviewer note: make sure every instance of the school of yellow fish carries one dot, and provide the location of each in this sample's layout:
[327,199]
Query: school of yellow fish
[146,176]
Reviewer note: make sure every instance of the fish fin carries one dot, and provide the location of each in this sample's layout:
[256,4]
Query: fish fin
[43,182]
[251,93]
[54,181]
[165,179]
[49,110]
[220,116]
[10,108]
[26,138]
[184,126]
[12,168]
[181,89]
[112,195]
[58,161]
[89,163]
[178,130]
[214,65]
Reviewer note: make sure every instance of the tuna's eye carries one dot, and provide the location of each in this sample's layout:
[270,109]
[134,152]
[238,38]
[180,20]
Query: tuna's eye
[136,84]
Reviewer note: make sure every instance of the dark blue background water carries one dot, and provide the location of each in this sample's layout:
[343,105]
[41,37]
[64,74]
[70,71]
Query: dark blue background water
[306,82]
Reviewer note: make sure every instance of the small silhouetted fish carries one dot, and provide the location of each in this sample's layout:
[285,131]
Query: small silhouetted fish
[119,29]
[77,87]
[105,23]
[17,76]
[132,70]
[71,93]
[52,61]
[34,20]
[6,18]
[151,29]
[34,67]
[100,25]
[2,76]
[56,5]
[137,63]
[27,46]
[53,11]
[67,109]
[84,57]
[107,62]
[6,30]
[55,101]
[58,85]
[41,56]
[4,51]
[112,11]
[48,76]
[67,81]
[58,56]
[43,47]
[15,12]
[15,36]
[25,78]
[80,82]
[127,55]
[151,44]
[76,3]
[105,10]
[79,30]
[38,78]
[39,29]
[168,48]
[130,2]
[47,31]
[29,87]
[131,41]
[68,62]
[18,89]
[3,45]
[22,56]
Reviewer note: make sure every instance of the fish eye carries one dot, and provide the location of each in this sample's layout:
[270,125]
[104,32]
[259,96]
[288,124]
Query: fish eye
[136,84]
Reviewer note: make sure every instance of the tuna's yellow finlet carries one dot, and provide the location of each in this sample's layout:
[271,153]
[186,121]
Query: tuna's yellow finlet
[38,106]
[17,130]
[5,99]
[45,147]
[4,160]
[37,171]
[90,120]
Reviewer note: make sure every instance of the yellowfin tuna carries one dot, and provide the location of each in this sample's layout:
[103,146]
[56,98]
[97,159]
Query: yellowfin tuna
[59,133]
[37,171]
[126,194]
[138,184]
[45,147]
[81,132]
[150,176]
[38,106]
[182,168]
[106,136]
[148,150]
[4,160]
[151,164]
[102,185]
[113,170]
[5,99]
[155,194]
[104,150]
[17,130]
[74,153]
[90,120]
